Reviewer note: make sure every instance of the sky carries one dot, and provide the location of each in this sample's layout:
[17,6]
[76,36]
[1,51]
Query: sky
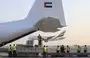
[76,15]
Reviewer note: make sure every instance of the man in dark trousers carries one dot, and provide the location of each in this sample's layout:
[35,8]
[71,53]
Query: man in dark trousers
[78,49]
[44,52]
[14,50]
[68,49]
[10,53]
[62,49]
[57,49]
[85,48]
[39,40]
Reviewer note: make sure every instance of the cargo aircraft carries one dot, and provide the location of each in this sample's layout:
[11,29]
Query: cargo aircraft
[45,15]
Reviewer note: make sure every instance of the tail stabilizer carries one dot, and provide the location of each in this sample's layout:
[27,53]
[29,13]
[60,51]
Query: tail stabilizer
[44,13]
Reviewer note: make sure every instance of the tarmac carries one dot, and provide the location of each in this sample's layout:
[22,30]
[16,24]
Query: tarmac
[41,57]
[26,50]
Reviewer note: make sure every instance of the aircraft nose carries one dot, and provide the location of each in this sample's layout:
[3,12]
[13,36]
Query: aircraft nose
[48,24]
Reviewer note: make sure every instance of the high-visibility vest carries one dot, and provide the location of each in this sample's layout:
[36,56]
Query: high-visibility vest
[78,49]
[14,47]
[45,49]
[10,48]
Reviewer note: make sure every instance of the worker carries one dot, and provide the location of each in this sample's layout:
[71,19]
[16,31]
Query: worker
[44,51]
[57,49]
[78,49]
[85,48]
[68,49]
[14,50]
[62,49]
[39,40]
[10,53]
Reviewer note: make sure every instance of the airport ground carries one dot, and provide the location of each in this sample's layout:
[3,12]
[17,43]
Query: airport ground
[52,51]
[46,57]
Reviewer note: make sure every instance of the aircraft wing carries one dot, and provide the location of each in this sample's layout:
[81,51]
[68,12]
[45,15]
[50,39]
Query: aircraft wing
[59,36]
[16,38]
[48,38]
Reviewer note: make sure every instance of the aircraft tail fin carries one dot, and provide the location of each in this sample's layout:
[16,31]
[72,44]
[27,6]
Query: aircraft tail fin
[47,9]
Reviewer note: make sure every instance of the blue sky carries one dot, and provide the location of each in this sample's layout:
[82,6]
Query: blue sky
[17,9]
[76,15]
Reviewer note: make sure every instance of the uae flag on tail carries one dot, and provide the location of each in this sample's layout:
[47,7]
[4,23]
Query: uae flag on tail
[48,4]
